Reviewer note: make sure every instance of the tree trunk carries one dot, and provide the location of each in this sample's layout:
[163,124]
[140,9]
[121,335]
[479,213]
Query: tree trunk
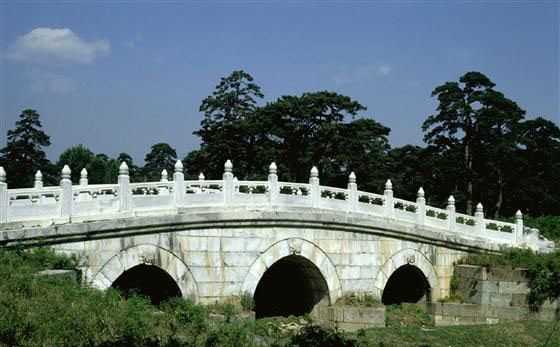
[468,162]
[500,195]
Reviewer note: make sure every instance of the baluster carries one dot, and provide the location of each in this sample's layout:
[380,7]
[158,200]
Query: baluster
[451,213]
[479,216]
[3,196]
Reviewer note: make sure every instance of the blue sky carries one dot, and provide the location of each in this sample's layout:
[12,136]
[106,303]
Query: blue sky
[120,77]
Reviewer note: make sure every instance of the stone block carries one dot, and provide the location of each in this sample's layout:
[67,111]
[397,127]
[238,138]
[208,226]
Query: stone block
[348,272]
[520,275]
[239,258]
[500,300]
[453,320]
[470,271]
[480,298]
[513,287]
[350,327]
[519,300]
[511,313]
[435,309]
[500,274]
[462,310]
[488,286]
[72,275]
[364,315]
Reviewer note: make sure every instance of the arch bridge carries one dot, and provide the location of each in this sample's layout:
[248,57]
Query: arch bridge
[210,239]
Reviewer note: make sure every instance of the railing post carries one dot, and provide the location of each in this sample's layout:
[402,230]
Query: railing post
[518,228]
[352,192]
[451,219]
[479,217]
[273,190]
[125,194]
[389,204]
[38,184]
[83,177]
[421,202]
[66,197]
[315,190]
[179,183]
[3,196]
[228,182]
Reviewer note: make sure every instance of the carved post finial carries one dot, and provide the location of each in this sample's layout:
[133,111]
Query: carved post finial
[2,174]
[451,201]
[66,172]
[518,215]
[479,208]
[163,175]
[352,177]
[201,177]
[38,180]
[179,166]
[314,172]
[272,169]
[388,185]
[83,177]
[420,192]
[123,169]
[228,166]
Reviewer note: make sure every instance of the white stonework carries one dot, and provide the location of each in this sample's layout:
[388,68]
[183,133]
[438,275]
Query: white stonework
[217,238]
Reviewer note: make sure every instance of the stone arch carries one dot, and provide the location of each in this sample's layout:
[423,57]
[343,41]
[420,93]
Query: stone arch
[288,247]
[403,257]
[149,255]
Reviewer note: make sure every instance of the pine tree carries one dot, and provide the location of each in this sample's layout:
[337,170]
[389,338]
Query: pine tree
[24,155]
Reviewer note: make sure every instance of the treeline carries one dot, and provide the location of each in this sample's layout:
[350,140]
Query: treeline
[479,147]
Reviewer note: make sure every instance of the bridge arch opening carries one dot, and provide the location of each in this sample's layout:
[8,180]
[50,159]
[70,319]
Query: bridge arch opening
[407,284]
[291,286]
[149,281]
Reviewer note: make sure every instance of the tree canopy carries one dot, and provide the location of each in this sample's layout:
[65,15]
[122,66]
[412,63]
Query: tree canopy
[480,148]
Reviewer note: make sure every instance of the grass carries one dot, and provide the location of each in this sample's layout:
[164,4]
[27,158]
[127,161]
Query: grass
[407,315]
[358,300]
[509,334]
[44,311]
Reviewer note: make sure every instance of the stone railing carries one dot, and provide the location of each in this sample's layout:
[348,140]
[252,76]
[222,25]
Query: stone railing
[84,200]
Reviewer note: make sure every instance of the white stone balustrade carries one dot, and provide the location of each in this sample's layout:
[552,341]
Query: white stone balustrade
[69,201]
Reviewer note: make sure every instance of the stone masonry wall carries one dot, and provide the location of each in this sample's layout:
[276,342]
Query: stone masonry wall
[494,295]
[212,264]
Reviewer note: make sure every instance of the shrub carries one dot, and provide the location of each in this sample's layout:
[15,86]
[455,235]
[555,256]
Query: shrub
[316,336]
[247,302]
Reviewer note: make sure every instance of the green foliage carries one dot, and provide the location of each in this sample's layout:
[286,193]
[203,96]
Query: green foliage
[247,301]
[507,334]
[407,315]
[317,336]
[358,299]
[100,168]
[543,271]
[24,155]
[162,156]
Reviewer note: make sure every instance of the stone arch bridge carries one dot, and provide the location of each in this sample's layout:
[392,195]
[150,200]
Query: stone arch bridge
[210,239]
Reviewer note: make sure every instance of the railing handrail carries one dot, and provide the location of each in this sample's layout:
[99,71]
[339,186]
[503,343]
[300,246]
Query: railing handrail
[179,188]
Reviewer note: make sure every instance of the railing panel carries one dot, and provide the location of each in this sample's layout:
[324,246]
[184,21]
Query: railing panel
[405,215]
[33,204]
[204,187]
